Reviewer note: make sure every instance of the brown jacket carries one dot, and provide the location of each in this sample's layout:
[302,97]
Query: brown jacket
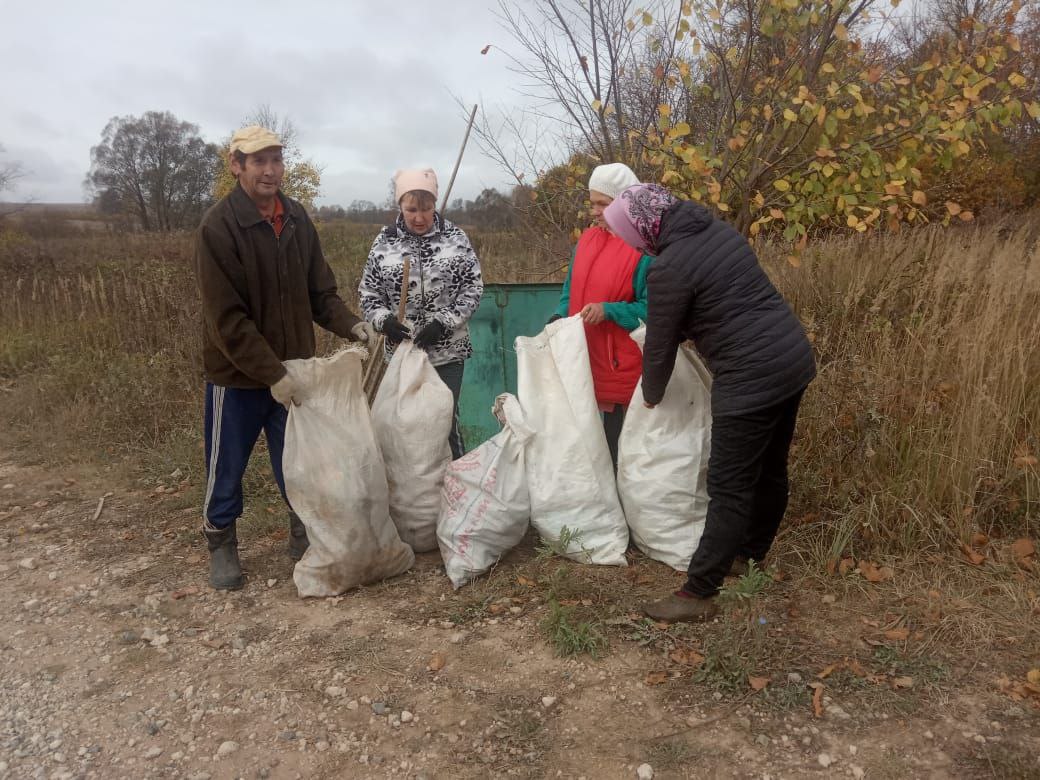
[260,292]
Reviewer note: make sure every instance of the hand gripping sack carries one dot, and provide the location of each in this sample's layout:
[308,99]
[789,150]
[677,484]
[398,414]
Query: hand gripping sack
[335,481]
[663,463]
[485,507]
[412,415]
[569,473]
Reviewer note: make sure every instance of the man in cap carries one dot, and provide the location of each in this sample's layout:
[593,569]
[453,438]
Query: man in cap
[263,280]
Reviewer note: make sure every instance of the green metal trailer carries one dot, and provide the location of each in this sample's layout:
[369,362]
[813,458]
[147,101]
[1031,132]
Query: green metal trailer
[506,311]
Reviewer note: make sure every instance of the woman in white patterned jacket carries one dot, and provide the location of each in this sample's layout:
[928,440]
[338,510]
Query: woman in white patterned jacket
[444,284]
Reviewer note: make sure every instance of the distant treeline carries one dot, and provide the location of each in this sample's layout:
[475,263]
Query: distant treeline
[490,210]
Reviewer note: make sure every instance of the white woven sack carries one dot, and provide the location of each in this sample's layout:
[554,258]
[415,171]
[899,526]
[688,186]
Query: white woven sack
[485,508]
[335,481]
[412,414]
[663,462]
[569,472]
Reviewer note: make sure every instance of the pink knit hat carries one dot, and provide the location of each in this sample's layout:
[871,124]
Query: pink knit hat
[409,179]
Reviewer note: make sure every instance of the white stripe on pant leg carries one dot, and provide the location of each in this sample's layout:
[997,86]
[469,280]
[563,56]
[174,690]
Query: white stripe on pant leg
[218,414]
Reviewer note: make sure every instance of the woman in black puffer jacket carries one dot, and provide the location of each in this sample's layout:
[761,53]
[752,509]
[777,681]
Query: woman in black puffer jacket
[706,284]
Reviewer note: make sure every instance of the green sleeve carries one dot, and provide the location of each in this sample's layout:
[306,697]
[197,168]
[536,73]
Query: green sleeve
[629,315]
[565,293]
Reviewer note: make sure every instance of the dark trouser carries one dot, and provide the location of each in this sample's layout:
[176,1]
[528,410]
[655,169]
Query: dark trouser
[747,491]
[451,375]
[234,419]
[613,421]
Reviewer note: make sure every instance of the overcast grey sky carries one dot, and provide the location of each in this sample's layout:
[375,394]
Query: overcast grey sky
[368,84]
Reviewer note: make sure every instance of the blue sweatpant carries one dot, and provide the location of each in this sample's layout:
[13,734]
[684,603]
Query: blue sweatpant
[234,419]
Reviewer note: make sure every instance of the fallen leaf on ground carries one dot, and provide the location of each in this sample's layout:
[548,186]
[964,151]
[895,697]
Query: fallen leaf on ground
[179,594]
[873,573]
[898,634]
[846,565]
[855,667]
[828,671]
[979,540]
[1033,676]
[817,699]
[656,678]
[527,582]
[851,664]
[758,683]
[973,557]
[903,682]
[1023,550]
[436,662]
[1020,691]
[686,657]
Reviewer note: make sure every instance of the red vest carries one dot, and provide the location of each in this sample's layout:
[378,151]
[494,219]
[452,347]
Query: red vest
[603,271]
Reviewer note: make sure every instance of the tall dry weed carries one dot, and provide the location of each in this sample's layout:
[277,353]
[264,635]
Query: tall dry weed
[921,428]
[923,424]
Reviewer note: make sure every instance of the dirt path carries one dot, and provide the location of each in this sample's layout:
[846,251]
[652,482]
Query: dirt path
[119,662]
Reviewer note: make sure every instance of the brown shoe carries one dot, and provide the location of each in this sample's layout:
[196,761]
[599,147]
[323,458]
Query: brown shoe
[684,608]
[739,567]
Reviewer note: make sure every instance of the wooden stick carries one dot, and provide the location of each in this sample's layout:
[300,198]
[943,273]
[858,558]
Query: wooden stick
[100,506]
[458,161]
[406,270]
[376,366]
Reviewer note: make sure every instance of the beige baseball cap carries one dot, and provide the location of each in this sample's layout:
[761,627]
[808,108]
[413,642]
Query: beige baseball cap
[254,138]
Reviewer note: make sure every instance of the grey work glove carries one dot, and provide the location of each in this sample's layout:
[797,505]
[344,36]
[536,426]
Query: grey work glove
[287,389]
[363,332]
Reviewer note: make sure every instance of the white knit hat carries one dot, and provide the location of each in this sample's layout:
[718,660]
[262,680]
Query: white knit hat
[611,179]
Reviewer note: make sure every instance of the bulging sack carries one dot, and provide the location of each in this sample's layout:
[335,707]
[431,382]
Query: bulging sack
[569,472]
[663,462]
[412,415]
[485,506]
[335,481]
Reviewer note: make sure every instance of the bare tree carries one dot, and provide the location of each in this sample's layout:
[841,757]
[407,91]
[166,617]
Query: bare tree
[589,66]
[266,116]
[156,168]
[9,173]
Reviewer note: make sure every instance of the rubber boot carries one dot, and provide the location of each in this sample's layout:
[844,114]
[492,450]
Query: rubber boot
[298,541]
[225,570]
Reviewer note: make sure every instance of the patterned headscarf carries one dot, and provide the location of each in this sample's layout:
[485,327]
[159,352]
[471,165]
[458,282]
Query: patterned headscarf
[635,215]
